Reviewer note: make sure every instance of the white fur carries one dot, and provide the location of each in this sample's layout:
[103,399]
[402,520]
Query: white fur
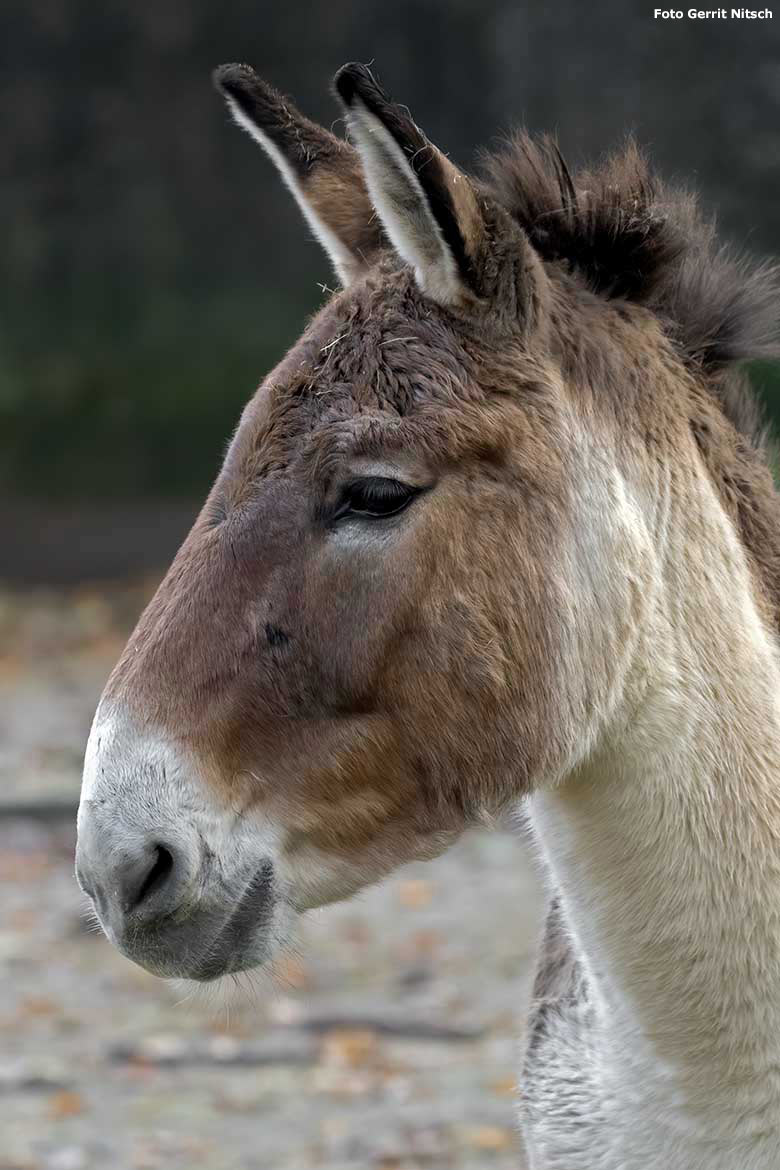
[151,784]
[402,206]
[137,786]
[665,847]
[345,264]
[153,788]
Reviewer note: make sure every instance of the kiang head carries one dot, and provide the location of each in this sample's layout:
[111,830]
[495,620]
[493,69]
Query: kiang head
[418,581]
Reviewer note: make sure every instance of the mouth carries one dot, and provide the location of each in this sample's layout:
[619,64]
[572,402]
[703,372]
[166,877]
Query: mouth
[204,941]
[244,939]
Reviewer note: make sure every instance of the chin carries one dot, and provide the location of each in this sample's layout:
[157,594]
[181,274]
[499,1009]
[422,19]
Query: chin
[206,949]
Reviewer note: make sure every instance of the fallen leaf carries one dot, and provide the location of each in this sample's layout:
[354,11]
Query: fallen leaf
[39,1005]
[414,894]
[504,1086]
[66,1103]
[291,972]
[349,1049]
[426,942]
[490,1138]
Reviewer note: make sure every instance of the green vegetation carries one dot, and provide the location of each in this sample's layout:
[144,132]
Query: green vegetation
[132,400]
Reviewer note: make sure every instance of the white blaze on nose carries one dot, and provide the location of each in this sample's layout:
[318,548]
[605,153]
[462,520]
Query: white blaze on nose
[140,781]
[101,735]
[126,766]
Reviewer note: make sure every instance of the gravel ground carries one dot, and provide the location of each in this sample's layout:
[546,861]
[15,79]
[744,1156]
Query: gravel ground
[388,1040]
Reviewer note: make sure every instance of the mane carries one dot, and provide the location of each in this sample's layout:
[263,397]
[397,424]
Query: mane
[628,235]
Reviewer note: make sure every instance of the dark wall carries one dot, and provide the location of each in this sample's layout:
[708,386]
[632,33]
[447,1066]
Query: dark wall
[154,267]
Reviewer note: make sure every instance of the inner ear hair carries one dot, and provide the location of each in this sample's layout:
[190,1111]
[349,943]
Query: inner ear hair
[322,171]
[428,207]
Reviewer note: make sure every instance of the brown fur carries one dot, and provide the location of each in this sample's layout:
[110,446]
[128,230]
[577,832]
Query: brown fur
[626,234]
[289,446]
[327,168]
[370,695]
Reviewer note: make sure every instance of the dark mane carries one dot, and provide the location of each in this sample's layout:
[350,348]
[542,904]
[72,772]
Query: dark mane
[627,235]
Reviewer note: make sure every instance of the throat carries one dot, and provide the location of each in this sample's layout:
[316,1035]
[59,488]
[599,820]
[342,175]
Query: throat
[664,849]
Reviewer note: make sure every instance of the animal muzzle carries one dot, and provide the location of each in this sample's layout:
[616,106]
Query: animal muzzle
[174,885]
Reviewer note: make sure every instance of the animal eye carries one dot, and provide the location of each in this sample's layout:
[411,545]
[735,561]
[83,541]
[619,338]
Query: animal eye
[376,497]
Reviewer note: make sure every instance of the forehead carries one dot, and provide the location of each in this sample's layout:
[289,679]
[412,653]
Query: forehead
[377,365]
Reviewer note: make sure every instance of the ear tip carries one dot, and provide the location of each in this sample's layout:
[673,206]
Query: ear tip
[241,83]
[356,80]
[345,83]
[242,86]
[227,78]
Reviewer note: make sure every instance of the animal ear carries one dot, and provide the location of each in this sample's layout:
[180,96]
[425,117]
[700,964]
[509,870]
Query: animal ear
[429,209]
[322,171]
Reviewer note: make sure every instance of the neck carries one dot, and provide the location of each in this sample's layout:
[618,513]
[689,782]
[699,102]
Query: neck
[665,848]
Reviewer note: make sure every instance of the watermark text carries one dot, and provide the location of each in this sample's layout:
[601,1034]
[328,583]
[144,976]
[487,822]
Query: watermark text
[712,14]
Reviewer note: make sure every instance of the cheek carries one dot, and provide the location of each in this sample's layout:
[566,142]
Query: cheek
[360,592]
[353,814]
[480,681]
[346,786]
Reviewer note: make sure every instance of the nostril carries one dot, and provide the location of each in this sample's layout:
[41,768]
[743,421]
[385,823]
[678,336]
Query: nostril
[136,880]
[155,879]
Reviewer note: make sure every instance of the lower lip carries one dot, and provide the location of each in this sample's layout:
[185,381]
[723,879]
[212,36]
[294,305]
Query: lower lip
[231,944]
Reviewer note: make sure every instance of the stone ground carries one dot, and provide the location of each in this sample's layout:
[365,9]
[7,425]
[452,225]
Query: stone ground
[387,1041]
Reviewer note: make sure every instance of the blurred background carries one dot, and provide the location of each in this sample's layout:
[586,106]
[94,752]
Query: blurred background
[155,268]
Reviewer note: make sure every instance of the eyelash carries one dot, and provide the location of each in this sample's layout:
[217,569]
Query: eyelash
[375,498]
